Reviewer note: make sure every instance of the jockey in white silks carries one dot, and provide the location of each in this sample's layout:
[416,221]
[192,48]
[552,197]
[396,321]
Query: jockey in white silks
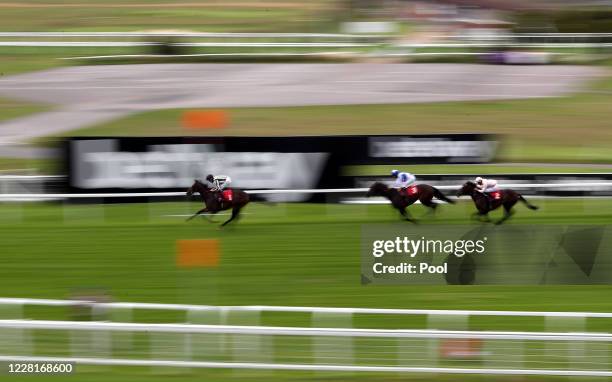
[485,185]
[218,182]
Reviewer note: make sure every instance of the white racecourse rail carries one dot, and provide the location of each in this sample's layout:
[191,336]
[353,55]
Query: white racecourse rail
[43,196]
[330,344]
[296,309]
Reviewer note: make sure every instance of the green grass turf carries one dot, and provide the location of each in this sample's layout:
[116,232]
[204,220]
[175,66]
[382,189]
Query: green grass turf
[569,129]
[235,16]
[16,60]
[10,109]
[308,251]
[140,374]
[297,254]
[18,165]
[13,109]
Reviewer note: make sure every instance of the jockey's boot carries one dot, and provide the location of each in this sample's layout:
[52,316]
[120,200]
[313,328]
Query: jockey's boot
[220,198]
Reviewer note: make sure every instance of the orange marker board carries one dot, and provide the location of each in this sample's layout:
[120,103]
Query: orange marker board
[205,119]
[197,253]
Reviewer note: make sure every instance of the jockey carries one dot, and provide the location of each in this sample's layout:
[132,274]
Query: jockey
[218,183]
[402,179]
[485,185]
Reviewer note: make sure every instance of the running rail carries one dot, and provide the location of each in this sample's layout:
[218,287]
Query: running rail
[283,35]
[189,35]
[185,329]
[297,309]
[285,191]
[256,333]
[302,331]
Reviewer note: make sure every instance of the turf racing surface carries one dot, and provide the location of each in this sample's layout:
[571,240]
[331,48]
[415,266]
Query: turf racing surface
[296,254]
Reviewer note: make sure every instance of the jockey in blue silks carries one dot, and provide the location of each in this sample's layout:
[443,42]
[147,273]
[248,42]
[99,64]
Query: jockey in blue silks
[402,179]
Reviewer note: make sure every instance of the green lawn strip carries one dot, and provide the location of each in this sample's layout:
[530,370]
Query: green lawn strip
[10,109]
[43,166]
[120,16]
[16,60]
[162,374]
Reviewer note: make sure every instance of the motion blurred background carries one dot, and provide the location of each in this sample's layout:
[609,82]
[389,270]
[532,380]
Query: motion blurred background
[519,91]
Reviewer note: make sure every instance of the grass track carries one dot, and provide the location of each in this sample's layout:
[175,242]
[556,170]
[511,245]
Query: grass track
[297,254]
[130,249]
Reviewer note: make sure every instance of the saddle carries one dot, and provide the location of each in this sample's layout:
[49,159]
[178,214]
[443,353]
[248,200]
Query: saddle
[227,195]
[224,196]
[495,195]
[409,191]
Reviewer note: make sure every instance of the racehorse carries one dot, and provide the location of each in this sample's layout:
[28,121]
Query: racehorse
[484,203]
[213,205]
[400,200]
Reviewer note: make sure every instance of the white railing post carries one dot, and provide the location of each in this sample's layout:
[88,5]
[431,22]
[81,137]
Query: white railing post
[247,347]
[575,351]
[123,340]
[435,346]
[325,347]
[14,340]
[208,345]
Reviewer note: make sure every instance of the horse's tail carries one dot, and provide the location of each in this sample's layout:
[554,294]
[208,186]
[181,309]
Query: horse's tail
[529,205]
[439,195]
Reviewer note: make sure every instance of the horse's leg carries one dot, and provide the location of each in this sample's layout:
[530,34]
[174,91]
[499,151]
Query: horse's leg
[235,213]
[197,213]
[507,212]
[483,216]
[483,208]
[209,218]
[429,203]
[406,215]
[480,214]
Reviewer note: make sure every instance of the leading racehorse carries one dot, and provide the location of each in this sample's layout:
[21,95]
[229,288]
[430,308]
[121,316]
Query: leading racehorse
[400,200]
[212,204]
[484,203]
